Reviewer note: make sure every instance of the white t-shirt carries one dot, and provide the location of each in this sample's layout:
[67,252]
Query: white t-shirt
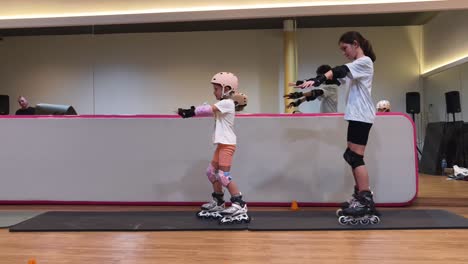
[359,106]
[224,123]
[329,99]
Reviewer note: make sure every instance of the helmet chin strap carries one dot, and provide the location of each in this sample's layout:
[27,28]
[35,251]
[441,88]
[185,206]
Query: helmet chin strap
[225,94]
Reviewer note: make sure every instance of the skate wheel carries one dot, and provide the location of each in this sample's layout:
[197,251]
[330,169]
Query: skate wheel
[339,212]
[364,221]
[201,214]
[354,221]
[225,221]
[216,216]
[342,220]
[375,220]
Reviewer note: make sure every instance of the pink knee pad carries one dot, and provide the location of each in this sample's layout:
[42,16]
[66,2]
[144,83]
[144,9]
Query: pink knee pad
[224,177]
[211,173]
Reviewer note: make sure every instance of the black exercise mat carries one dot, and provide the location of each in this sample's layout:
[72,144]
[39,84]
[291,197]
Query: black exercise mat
[327,220]
[261,221]
[121,221]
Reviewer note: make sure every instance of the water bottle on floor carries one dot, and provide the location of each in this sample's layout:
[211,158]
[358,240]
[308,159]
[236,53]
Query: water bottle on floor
[443,165]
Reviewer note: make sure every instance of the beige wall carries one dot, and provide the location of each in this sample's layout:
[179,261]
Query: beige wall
[445,39]
[55,69]
[154,73]
[140,73]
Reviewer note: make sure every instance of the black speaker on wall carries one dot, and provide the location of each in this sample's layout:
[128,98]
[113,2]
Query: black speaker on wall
[413,101]
[4,104]
[452,100]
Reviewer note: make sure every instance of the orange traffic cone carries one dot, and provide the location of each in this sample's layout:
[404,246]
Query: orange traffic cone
[32,261]
[294,205]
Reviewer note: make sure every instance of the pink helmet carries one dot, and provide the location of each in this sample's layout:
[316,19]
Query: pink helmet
[226,79]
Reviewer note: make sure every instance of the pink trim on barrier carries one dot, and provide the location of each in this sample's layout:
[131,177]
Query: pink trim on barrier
[159,116]
[178,117]
[266,204]
[156,116]
[87,116]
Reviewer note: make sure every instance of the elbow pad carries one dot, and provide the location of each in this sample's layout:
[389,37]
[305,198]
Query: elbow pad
[340,71]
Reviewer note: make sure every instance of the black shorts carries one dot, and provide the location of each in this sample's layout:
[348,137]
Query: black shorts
[358,132]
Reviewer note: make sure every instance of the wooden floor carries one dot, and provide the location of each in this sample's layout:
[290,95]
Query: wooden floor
[384,246]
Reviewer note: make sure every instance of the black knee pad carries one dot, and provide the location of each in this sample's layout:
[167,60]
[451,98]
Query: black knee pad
[353,159]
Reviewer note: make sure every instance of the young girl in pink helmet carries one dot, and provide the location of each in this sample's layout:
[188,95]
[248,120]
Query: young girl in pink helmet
[218,172]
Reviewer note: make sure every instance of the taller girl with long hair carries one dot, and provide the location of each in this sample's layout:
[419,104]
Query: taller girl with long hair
[360,114]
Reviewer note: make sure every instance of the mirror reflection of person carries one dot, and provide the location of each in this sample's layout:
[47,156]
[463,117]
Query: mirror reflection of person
[326,94]
[25,109]
[383,106]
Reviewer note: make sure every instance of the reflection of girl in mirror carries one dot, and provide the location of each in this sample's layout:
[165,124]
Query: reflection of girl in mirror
[327,94]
